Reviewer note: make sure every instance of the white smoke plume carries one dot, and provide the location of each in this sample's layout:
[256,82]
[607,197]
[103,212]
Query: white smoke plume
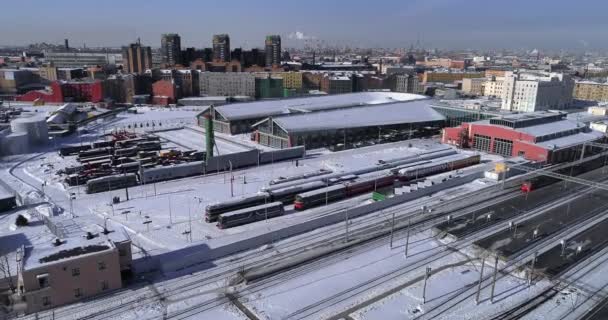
[299,35]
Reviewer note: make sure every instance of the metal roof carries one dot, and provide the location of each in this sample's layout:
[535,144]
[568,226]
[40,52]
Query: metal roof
[368,116]
[263,109]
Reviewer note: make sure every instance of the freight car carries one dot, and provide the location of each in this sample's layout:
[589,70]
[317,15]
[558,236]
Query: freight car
[126,152]
[172,172]
[111,183]
[131,167]
[95,153]
[213,211]
[249,215]
[71,150]
[320,196]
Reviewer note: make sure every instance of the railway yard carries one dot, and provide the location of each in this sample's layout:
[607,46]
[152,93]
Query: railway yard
[413,229]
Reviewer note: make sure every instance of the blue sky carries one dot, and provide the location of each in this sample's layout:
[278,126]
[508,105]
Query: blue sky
[548,24]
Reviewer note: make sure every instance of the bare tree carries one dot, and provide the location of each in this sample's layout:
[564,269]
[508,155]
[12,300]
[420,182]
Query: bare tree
[5,270]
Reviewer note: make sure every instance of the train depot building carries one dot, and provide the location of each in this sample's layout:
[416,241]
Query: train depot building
[238,118]
[541,136]
[349,125]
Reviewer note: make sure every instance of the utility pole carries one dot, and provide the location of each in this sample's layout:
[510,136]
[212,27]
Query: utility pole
[483,263]
[392,227]
[494,279]
[532,268]
[346,224]
[427,274]
[170,213]
[407,238]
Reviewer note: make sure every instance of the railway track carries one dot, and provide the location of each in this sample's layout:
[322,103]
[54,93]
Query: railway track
[112,306]
[517,260]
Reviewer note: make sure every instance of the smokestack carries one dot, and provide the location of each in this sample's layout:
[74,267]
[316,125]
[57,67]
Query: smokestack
[209,134]
[67,44]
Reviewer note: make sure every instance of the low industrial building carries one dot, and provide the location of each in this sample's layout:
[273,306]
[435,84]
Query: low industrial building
[348,126]
[72,269]
[238,118]
[541,136]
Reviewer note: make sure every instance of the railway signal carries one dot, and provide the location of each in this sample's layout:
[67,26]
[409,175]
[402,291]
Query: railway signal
[427,274]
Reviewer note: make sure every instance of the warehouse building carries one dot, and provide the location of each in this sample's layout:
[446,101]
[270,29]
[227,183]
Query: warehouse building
[348,126]
[540,136]
[238,118]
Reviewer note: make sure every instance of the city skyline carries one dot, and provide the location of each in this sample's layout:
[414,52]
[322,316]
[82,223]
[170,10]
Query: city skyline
[434,24]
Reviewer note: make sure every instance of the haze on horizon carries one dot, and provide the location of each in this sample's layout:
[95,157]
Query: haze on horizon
[545,24]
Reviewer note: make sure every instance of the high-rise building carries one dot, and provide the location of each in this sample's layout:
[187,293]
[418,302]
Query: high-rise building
[273,50]
[171,48]
[529,92]
[221,47]
[136,58]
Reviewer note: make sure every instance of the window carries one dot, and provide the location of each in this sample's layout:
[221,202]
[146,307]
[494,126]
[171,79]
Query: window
[43,280]
[46,301]
[75,272]
[104,285]
[77,293]
[101,265]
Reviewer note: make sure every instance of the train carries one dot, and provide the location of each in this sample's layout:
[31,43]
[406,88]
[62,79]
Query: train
[250,214]
[311,193]
[213,211]
[362,185]
[434,167]
[172,172]
[113,182]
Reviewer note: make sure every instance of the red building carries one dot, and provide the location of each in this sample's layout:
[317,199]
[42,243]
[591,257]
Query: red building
[164,92]
[59,92]
[541,136]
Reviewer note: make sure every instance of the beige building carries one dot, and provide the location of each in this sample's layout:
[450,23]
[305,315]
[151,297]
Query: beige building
[494,87]
[72,269]
[592,91]
[473,86]
[49,73]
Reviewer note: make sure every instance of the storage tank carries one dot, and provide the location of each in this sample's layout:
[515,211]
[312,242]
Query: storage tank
[15,143]
[35,128]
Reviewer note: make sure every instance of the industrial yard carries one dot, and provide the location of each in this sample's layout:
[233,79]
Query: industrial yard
[221,226]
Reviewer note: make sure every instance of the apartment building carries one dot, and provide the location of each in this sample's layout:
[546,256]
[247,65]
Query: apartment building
[591,91]
[473,86]
[227,84]
[529,92]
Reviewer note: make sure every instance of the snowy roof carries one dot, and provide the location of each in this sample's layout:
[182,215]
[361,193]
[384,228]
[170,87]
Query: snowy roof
[388,114]
[262,109]
[572,140]
[70,248]
[541,129]
[550,128]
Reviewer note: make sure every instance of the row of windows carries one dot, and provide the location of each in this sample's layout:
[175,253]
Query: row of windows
[78,292]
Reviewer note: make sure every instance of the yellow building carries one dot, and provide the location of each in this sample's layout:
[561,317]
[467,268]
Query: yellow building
[291,80]
[49,73]
[592,91]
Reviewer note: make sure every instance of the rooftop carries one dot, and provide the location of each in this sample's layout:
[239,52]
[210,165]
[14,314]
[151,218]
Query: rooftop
[262,109]
[368,116]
